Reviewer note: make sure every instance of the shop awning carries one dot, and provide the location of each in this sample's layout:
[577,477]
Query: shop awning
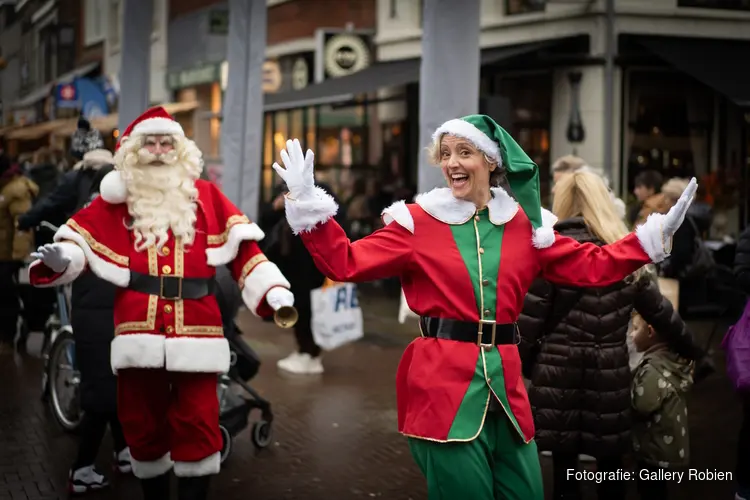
[378,76]
[708,61]
[42,92]
[66,126]
[108,123]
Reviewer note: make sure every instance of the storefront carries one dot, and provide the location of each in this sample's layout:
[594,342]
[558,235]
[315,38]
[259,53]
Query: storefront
[686,121]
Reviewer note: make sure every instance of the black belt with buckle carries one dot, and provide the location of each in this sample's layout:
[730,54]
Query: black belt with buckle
[483,333]
[172,287]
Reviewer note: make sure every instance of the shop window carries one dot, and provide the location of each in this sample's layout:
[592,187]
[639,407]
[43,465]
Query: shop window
[527,116]
[670,119]
[716,4]
[513,7]
[94,21]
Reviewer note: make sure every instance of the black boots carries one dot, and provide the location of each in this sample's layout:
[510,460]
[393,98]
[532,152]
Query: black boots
[193,488]
[156,488]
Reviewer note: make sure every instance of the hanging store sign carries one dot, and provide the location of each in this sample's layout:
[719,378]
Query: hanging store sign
[345,53]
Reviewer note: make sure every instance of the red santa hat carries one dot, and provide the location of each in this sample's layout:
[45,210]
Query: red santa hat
[155,121]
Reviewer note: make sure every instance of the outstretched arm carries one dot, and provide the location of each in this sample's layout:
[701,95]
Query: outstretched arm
[310,212]
[584,264]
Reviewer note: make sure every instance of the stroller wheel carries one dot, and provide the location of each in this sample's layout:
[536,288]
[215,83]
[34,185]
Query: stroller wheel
[261,433]
[226,444]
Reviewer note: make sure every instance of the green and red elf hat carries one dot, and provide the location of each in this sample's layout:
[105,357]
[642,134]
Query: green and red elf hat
[522,172]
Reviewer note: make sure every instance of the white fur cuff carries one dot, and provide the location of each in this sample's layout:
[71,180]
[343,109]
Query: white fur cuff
[305,213]
[209,465]
[155,468]
[74,269]
[137,350]
[261,279]
[197,354]
[651,237]
[106,270]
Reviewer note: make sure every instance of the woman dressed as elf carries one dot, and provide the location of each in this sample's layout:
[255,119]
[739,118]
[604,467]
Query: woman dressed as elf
[466,255]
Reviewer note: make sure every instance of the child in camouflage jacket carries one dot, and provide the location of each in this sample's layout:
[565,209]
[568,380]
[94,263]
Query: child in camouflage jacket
[660,427]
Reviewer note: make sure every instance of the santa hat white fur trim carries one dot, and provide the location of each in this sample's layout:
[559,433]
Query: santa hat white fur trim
[462,128]
[152,126]
[112,188]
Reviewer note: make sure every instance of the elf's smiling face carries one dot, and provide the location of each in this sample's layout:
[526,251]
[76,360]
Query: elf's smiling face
[466,169]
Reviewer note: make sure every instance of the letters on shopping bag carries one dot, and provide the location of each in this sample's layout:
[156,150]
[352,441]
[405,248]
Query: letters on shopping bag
[336,315]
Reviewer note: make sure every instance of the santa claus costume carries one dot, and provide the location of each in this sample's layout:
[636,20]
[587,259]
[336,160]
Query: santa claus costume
[158,232]
[465,268]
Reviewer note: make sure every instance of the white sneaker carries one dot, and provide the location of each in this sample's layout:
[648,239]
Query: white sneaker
[85,479]
[586,458]
[123,462]
[301,363]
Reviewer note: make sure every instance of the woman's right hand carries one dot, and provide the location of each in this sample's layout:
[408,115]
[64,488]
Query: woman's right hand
[298,171]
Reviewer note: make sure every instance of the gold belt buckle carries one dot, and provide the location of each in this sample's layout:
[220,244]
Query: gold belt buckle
[480,334]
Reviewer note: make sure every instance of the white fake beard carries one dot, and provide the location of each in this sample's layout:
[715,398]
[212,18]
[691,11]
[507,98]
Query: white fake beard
[160,198]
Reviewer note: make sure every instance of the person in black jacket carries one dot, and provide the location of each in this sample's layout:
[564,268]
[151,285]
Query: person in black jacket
[742,273]
[289,253]
[574,346]
[92,318]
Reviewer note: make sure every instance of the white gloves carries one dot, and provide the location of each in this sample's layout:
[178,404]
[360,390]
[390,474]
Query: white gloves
[278,297]
[53,257]
[655,235]
[298,171]
[676,215]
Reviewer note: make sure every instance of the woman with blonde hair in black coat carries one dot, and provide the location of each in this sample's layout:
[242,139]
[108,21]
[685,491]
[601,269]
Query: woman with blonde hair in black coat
[574,345]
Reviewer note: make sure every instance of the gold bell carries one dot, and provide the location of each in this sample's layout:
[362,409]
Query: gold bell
[286,316]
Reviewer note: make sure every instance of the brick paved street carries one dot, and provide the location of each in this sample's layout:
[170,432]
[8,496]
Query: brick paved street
[335,436]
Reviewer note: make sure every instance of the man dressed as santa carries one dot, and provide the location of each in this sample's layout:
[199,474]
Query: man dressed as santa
[158,232]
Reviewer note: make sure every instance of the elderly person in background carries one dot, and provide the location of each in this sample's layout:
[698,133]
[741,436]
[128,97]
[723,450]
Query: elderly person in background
[466,255]
[570,163]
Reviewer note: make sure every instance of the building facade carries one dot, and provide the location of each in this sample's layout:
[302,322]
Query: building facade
[678,94]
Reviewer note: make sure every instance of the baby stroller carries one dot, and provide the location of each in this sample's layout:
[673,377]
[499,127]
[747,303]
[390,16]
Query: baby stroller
[234,409]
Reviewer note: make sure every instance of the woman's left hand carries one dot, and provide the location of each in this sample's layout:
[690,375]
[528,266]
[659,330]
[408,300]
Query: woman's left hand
[676,215]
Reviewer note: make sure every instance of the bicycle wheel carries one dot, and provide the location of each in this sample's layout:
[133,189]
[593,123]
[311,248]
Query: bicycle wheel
[64,382]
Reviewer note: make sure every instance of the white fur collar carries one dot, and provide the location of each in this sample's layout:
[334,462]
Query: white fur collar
[441,204]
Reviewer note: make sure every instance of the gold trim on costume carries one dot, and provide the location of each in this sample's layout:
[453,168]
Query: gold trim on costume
[179,305]
[141,326]
[220,239]
[153,261]
[96,246]
[249,266]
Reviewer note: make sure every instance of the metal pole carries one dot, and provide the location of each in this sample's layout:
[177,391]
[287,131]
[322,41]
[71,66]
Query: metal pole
[609,89]
[449,74]
[135,70]
[242,127]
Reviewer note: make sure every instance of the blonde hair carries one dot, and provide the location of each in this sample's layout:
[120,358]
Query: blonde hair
[497,176]
[673,188]
[585,194]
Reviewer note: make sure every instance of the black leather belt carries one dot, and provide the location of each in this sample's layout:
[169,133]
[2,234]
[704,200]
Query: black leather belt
[172,287]
[482,333]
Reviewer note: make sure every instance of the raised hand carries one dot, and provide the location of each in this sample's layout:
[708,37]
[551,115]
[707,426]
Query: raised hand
[53,257]
[676,215]
[297,172]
